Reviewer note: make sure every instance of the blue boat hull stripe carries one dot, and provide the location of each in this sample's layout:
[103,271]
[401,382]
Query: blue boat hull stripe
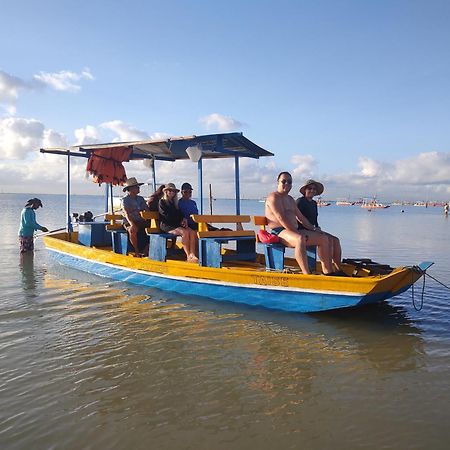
[268,297]
[213,282]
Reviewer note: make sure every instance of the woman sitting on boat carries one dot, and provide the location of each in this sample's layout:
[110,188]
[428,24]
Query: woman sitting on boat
[172,221]
[308,207]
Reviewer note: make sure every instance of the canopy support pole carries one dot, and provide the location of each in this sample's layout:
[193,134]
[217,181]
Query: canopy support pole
[112,198]
[154,175]
[69,221]
[106,197]
[200,184]
[236,185]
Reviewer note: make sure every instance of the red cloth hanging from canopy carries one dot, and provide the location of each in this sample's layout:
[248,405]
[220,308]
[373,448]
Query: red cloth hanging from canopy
[105,164]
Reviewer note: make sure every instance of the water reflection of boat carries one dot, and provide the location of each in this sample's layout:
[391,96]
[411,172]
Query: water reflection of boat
[232,274]
[382,334]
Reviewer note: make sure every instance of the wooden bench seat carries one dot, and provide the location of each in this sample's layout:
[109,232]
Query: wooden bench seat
[94,234]
[210,242]
[158,241]
[119,236]
[274,253]
[120,240]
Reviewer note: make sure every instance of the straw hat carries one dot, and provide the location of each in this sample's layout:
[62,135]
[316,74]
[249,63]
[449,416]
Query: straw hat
[170,187]
[130,183]
[319,186]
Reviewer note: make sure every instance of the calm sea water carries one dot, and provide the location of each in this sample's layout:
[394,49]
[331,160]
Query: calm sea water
[88,363]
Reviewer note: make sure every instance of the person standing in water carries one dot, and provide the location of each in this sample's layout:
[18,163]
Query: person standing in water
[28,225]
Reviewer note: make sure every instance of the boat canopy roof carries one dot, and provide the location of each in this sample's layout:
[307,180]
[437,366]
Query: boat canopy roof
[213,146]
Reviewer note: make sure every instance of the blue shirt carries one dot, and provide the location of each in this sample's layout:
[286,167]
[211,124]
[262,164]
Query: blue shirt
[28,224]
[188,207]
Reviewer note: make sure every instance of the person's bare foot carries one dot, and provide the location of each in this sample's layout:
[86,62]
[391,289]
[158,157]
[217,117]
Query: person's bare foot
[192,259]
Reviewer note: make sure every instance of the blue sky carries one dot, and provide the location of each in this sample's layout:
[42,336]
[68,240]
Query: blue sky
[355,93]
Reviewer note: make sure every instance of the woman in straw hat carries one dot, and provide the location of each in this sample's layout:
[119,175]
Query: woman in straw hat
[28,225]
[308,207]
[172,221]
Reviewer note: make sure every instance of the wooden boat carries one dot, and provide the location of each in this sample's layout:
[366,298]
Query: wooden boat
[344,203]
[226,274]
[321,203]
[373,204]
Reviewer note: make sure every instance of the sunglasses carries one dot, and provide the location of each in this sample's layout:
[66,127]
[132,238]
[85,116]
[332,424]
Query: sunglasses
[187,192]
[286,181]
[311,188]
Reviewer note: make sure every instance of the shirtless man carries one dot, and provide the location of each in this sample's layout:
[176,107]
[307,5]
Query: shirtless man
[282,215]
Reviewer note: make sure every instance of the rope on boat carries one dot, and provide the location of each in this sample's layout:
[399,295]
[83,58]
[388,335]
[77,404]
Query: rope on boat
[425,274]
[417,308]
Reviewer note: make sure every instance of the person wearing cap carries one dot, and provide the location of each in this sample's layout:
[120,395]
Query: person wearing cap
[308,207]
[171,220]
[282,216]
[28,225]
[132,205]
[187,205]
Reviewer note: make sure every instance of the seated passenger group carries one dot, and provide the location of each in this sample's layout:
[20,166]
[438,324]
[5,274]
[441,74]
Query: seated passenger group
[294,222]
[171,220]
[284,217]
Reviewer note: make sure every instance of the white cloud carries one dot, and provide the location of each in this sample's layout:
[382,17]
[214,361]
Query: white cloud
[53,139]
[19,137]
[124,131]
[11,86]
[87,135]
[304,166]
[63,80]
[424,176]
[221,123]
[9,91]
[371,168]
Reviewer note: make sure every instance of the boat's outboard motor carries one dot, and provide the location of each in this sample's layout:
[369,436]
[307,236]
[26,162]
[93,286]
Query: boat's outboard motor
[86,217]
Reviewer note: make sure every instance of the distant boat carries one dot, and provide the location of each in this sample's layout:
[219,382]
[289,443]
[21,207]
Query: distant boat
[321,202]
[373,204]
[344,203]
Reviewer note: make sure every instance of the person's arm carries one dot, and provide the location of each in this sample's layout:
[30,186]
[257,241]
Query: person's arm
[301,217]
[275,205]
[304,221]
[129,210]
[30,221]
[163,209]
